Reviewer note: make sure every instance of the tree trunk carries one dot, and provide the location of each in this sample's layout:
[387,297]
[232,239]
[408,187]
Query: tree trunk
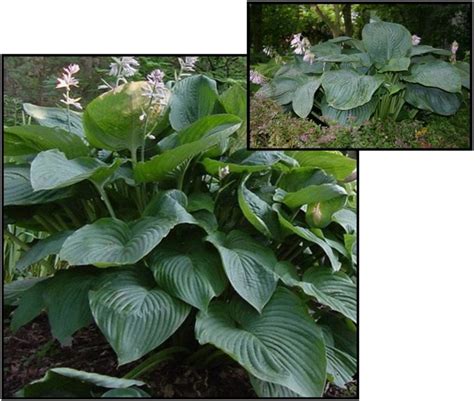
[256,18]
[346,12]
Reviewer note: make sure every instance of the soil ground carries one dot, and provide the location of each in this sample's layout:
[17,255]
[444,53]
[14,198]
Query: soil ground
[30,352]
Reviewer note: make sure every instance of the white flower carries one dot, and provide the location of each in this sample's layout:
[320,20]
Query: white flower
[300,44]
[309,57]
[454,47]
[156,90]
[269,51]
[67,80]
[188,64]
[71,101]
[256,77]
[223,172]
[123,67]
[415,40]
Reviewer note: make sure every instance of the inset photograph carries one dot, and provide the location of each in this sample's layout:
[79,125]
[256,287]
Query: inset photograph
[148,253]
[359,76]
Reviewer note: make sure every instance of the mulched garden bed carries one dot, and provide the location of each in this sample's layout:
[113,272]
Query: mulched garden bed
[31,351]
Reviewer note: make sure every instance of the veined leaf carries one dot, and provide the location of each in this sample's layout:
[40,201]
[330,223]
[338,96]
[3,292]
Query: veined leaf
[438,74]
[341,366]
[303,97]
[208,126]
[347,219]
[464,71]
[13,291]
[31,304]
[248,266]
[162,166]
[190,272]
[335,290]
[66,300]
[131,392]
[396,64]
[17,189]
[43,248]
[314,194]
[423,49]
[345,89]
[266,389]
[56,117]
[30,139]
[112,120]
[299,178]
[432,99]
[334,163]
[112,242]
[52,170]
[281,345]
[134,314]
[308,235]
[386,40]
[191,99]
[258,212]
[72,383]
[355,116]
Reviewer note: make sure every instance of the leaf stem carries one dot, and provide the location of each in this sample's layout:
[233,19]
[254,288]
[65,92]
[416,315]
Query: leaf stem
[16,240]
[106,200]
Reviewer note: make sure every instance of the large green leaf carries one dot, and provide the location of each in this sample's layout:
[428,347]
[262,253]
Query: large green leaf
[333,289]
[308,235]
[423,49]
[258,212]
[132,392]
[248,266]
[282,88]
[71,383]
[164,165]
[314,194]
[244,161]
[386,40]
[303,97]
[347,219]
[52,170]
[341,366]
[234,100]
[31,304]
[266,389]
[66,300]
[134,314]
[334,163]
[302,177]
[43,248]
[17,189]
[30,139]
[208,126]
[319,214]
[355,116]
[432,99]
[56,117]
[396,64]
[464,71]
[13,291]
[112,120]
[328,48]
[190,272]
[192,98]
[280,345]
[345,89]
[112,242]
[438,74]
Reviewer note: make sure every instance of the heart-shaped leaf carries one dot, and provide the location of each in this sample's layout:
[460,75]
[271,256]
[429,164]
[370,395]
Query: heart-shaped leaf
[432,99]
[134,314]
[314,194]
[248,266]
[281,345]
[438,74]
[189,272]
[303,97]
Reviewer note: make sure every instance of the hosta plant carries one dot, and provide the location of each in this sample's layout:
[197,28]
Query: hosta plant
[178,243]
[386,74]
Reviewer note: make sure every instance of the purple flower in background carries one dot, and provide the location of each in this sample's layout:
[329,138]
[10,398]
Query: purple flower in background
[304,138]
[188,64]
[67,80]
[156,90]
[123,67]
[454,47]
[256,77]
[415,40]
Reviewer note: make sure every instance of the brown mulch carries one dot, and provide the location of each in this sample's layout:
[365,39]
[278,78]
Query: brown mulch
[31,351]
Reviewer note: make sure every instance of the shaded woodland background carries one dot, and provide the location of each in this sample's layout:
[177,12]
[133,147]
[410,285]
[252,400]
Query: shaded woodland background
[437,24]
[32,79]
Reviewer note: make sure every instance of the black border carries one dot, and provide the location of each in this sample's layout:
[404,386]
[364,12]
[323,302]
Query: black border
[357,157]
[249,3]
